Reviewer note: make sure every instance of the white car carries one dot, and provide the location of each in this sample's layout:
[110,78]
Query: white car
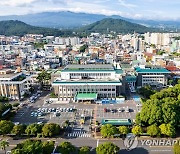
[120,110]
[127,110]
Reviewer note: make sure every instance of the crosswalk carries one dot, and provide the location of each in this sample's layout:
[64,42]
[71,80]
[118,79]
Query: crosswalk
[79,134]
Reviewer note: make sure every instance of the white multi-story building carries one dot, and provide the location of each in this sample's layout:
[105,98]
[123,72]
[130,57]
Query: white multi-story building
[14,85]
[153,77]
[87,82]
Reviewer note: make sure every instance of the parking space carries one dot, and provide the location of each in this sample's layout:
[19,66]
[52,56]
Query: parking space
[53,113]
[117,111]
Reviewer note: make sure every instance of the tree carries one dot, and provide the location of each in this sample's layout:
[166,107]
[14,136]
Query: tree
[28,147]
[162,108]
[66,148]
[4,144]
[33,129]
[107,148]
[123,130]
[84,150]
[18,130]
[137,130]
[83,48]
[146,91]
[170,82]
[48,147]
[50,130]
[108,130]
[176,148]
[44,78]
[168,130]
[6,127]
[153,130]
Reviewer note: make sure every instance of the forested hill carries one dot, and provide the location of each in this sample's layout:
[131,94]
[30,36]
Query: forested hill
[18,28]
[116,25]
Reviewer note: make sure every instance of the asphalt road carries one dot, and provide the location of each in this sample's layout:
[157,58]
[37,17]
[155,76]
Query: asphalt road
[91,142]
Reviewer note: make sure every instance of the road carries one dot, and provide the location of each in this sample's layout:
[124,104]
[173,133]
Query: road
[91,142]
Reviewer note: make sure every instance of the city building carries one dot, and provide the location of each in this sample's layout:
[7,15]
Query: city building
[14,85]
[152,76]
[87,83]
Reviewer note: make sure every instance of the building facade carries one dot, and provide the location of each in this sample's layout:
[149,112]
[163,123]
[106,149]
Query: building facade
[14,85]
[153,77]
[87,82]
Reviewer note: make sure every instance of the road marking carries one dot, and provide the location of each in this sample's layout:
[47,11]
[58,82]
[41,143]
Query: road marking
[97,142]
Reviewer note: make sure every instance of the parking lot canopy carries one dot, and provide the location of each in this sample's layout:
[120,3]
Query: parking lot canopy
[86,96]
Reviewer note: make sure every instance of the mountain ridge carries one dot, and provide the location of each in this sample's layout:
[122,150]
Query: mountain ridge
[115,25]
[19,28]
[68,19]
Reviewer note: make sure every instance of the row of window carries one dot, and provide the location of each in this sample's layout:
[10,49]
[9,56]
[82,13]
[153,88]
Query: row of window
[99,95]
[153,77]
[87,89]
[153,80]
[90,74]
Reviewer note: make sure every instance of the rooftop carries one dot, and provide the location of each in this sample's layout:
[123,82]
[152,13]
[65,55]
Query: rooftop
[117,122]
[86,96]
[89,67]
[87,82]
[131,78]
[154,70]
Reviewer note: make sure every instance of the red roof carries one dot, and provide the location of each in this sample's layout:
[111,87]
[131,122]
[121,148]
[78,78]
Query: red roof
[172,68]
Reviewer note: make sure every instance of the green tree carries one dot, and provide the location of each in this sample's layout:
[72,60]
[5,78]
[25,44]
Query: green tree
[170,82]
[6,127]
[50,130]
[168,130]
[123,130]
[137,130]
[44,78]
[66,148]
[4,144]
[162,107]
[107,148]
[108,130]
[153,130]
[146,91]
[28,147]
[176,148]
[84,150]
[18,130]
[33,129]
[48,147]
[83,48]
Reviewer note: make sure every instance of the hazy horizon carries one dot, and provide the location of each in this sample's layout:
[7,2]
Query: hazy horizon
[137,9]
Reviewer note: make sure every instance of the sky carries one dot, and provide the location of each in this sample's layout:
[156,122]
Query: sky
[136,9]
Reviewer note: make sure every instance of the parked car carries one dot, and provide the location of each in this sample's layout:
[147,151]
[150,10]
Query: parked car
[120,110]
[105,109]
[127,110]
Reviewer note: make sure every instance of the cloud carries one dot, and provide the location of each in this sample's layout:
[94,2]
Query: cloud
[16,3]
[127,5]
[138,9]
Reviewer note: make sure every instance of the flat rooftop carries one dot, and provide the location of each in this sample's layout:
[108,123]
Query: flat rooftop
[86,82]
[89,67]
[9,75]
[154,70]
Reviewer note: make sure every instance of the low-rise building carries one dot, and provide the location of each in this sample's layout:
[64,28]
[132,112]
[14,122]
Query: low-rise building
[87,83]
[152,76]
[14,85]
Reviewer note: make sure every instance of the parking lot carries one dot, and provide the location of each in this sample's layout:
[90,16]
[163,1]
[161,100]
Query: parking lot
[42,111]
[117,111]
[52,113]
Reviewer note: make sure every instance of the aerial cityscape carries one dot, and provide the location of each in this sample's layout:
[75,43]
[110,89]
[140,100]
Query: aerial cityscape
[81,77]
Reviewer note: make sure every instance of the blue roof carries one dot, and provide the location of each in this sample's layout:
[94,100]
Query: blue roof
[131,78]
[157,70]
